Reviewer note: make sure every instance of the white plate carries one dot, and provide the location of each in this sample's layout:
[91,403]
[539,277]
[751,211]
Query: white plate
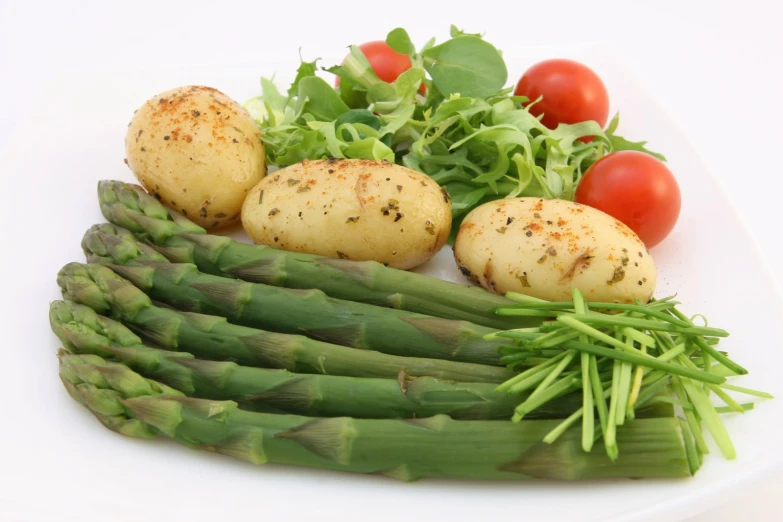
[58,461]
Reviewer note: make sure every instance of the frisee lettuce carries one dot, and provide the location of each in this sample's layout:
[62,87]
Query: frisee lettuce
[467,132]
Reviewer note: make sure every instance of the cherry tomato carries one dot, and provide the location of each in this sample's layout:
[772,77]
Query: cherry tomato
[635,188]
[386,63]
[571,92]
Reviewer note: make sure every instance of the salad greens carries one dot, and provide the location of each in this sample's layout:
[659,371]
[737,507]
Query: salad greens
[463,128]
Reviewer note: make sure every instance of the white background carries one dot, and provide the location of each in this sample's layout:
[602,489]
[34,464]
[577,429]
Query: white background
[715,66]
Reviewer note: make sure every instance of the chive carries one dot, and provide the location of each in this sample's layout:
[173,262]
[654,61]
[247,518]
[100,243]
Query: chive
[648,392]
[747,406]
[590,331]
[610,437]
[524,375]
[747,391]
[663,339]
[691,450]
[522,298]
[636,387]
[565,305]
[598,394]
[723,371]
[701,343]
[690,417]
[640,337]
[707,412]
[647,324]
[524,333]
[531,404]
[720,357]
[549,326]
[561,428]
[525,312]
[644,360]
[671,400]
[623,390]
[673,352]
[731,403]
[652,376]
[511,349]
[725,397]
[588,416]
[554,374]
[555,338]
[527,383]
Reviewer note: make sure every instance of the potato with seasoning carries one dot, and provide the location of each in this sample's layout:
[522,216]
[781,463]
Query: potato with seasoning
[198,151]
[543,248]
[350,209]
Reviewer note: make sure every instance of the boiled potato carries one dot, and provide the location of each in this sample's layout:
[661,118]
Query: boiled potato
[197,151]
[350,209]
[543,248]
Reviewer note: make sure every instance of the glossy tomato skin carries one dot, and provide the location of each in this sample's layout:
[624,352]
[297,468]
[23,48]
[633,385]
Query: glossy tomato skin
[571,92]
[386,63]
[635,188]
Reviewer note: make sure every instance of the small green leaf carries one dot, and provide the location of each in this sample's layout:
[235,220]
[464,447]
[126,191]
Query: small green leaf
[359,116]
[356,69]
[466,65]
[400,42]
[271,96]
[619,143]
[354,97]
[381,92]
[319,99]
[369,148]
[455,31]
[613,124]
[397,119]
[305,70]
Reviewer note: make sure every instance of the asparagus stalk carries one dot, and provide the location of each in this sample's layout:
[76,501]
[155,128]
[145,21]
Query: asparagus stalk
[182,241]
[403,449]
[311,312]
[212,337]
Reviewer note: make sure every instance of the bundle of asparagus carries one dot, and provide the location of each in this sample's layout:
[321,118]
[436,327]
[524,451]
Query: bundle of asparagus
[292,311]
[214,337]
[397,373]
[83,331]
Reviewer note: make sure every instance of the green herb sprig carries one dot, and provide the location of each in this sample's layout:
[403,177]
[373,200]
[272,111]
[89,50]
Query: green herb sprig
[630,354]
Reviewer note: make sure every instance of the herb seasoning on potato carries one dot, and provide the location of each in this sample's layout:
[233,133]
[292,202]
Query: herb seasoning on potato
[350,209]
[544,248]
[197,151]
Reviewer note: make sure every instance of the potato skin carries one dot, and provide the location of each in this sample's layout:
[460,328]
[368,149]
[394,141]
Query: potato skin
[198,151]
[543,248]
[351,209]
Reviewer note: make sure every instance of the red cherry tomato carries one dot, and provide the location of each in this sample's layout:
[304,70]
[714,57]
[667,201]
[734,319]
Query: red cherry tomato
[386,63]
[571,92]
[635,188]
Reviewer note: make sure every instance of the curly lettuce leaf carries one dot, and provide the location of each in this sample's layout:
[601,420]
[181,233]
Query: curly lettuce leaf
[466,131]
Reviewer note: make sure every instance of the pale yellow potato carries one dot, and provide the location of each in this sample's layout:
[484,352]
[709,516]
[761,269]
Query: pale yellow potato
[350,209]
[198,151]
[543,248]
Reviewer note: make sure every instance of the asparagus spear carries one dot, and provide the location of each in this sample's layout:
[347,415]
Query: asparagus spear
[182,241]
[212,337]
[403,449]
[311,312]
